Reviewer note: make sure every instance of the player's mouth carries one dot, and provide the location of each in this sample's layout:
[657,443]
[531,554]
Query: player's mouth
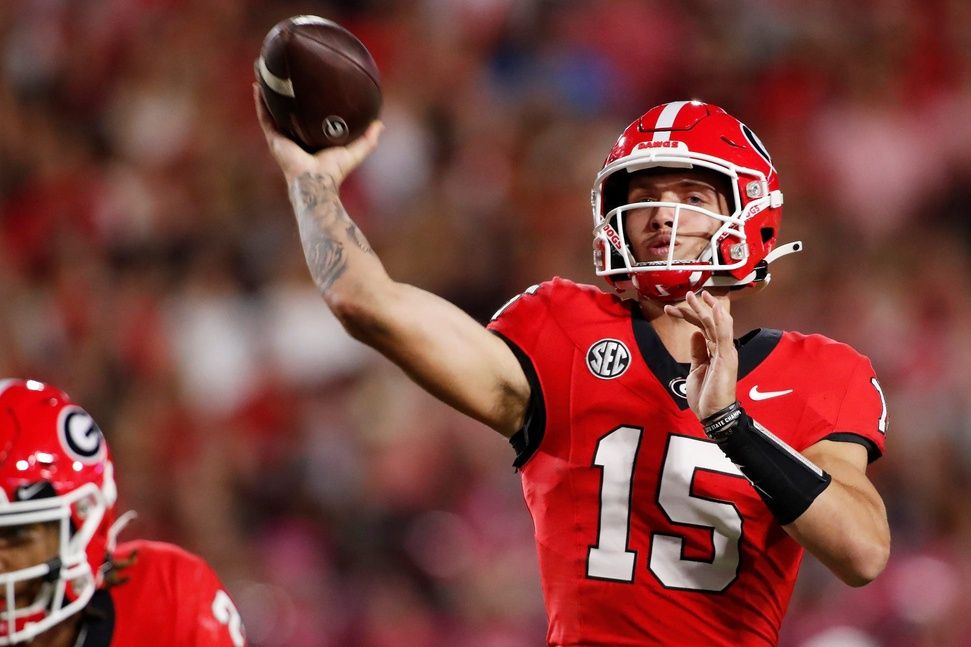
[26,593]
[659,247]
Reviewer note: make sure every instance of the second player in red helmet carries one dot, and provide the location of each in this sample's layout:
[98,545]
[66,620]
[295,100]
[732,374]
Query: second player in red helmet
[64,580]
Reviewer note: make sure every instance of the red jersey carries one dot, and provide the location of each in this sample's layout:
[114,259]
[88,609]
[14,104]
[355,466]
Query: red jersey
[647,533]
[170,597]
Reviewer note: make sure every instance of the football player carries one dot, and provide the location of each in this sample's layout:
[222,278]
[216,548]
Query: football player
[63,580]
[674,474]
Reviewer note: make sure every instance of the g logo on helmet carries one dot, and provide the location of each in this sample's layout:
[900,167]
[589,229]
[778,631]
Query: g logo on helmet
[608,358]
[80,435]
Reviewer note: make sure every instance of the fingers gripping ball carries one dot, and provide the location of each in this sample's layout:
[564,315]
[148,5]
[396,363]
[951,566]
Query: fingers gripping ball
[319,82]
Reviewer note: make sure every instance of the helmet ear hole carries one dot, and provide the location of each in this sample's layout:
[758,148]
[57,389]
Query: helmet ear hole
[768,233]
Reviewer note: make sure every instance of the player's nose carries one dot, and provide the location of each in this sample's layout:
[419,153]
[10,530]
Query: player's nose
[661,218]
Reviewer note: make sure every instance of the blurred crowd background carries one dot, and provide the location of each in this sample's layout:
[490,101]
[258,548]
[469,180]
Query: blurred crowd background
[149,265]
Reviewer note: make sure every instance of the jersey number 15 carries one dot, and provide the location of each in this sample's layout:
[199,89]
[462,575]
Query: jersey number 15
[612,559]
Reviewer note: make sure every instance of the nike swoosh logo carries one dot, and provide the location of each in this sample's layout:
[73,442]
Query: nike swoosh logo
[755,394]
[27,492]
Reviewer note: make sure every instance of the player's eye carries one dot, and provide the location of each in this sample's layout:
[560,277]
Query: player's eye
[14,535]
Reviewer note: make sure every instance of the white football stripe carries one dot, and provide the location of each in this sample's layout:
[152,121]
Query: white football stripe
[278,85]
[666,120]
[309,20]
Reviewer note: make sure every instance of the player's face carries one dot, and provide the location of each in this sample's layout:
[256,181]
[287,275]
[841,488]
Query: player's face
[649,229]
[23,546]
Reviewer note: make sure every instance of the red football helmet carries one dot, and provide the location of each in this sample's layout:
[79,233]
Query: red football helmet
[690,135]
[54,468]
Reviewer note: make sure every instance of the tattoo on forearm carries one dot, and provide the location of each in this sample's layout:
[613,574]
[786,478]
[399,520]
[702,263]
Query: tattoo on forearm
[355,234]
[324,227]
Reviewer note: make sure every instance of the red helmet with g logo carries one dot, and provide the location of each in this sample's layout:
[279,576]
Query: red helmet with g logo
[55,468]
[690,135]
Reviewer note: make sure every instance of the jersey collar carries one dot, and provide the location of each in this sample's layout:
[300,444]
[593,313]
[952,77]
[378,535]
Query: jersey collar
[753,347]
[98,625]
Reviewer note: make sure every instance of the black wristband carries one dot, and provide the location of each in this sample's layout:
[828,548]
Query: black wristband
[786,480]
[721,423]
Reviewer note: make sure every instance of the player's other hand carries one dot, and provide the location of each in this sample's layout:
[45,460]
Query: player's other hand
[336,162]
[714,358]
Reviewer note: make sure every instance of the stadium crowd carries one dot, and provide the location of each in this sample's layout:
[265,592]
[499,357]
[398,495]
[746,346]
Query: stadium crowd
[149,265]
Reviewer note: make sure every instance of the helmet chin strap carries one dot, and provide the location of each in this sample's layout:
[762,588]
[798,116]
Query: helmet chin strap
[761,273]
[706,255]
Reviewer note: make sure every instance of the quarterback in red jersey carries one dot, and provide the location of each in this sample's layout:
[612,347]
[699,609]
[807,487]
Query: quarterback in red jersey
[65,583]
[674,474]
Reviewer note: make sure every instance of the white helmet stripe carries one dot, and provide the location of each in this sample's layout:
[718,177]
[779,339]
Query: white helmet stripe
[666,119]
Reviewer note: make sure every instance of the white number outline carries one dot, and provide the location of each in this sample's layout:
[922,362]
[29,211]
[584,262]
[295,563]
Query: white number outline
[707,458]
[226,613]
[604,561]
[882,423]
[530,290]
[612,559]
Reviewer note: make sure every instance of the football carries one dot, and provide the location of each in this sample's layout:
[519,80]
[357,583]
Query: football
[318,81]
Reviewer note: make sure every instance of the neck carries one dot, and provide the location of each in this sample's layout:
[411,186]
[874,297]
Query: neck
[676,333]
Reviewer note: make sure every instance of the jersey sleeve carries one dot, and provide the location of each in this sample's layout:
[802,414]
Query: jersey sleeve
[169,596]
[527,325]
[210,616]
[863,414]
[523,318]
[859,415]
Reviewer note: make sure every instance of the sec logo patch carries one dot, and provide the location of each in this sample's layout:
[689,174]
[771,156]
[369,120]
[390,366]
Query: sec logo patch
[608,358]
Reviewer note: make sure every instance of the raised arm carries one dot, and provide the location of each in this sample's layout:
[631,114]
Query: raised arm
[436,343]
